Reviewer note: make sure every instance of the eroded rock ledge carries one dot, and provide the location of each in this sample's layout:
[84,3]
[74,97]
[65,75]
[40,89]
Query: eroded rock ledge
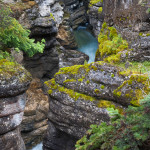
[80,96]
[14,81]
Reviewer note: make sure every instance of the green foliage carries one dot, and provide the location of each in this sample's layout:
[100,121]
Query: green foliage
[148,11]
[4,54]
[12,34]
[128,132]
[111,44]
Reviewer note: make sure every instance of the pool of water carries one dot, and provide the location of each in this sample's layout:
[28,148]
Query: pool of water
[38,147]
[87,43]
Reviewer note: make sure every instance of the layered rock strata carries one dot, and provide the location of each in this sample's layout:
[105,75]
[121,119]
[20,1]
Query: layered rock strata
[14,81]
[80,96]
[96,16]
[77,10]
[34,121]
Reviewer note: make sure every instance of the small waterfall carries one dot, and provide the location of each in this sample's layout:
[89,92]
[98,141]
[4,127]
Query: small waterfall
[87,43]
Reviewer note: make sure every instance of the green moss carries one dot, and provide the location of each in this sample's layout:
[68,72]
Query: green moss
[80,80]
[140,34]
[105,104]
[74,69]
[111,44]
[100,9]
[94,67]
[92,2]
[87,81]
[97,91]
[112,75]
[148,34]
[130,82]
[9,69]
[118,94]
[52,85]
[108,104]
[102,86]
[69,80]
[138,93]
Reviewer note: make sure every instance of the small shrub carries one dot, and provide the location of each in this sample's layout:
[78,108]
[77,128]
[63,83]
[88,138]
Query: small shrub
[126,132]
[12,34]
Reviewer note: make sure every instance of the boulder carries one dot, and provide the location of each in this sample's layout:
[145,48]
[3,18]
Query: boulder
[80,96]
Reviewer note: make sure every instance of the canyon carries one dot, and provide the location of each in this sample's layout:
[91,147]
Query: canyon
[65,94]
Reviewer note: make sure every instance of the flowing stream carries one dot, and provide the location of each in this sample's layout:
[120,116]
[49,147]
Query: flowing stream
[87,43]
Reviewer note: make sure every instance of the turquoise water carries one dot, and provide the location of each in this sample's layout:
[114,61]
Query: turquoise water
[87,43]
[38,147]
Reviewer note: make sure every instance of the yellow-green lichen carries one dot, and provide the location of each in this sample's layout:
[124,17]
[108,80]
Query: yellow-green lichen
[112,75]
[80,80]
[74,69]
[87,81]
[52,85]
[100,9]
[108,104]
[97,91]
[9,69]
[102,86]
[111,44]
[92,2]
[142,89]
[69,80]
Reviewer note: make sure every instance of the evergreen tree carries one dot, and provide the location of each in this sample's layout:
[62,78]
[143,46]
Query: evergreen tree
[12,34]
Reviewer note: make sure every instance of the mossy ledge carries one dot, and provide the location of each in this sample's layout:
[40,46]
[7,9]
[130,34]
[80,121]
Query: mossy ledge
[54,87]
[108,82]
[14,78]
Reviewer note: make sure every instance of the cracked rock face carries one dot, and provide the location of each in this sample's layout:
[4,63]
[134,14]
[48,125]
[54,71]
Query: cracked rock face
[14,82]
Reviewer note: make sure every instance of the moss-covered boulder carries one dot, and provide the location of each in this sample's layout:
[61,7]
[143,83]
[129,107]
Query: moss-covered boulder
[80,95]
[14,79]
